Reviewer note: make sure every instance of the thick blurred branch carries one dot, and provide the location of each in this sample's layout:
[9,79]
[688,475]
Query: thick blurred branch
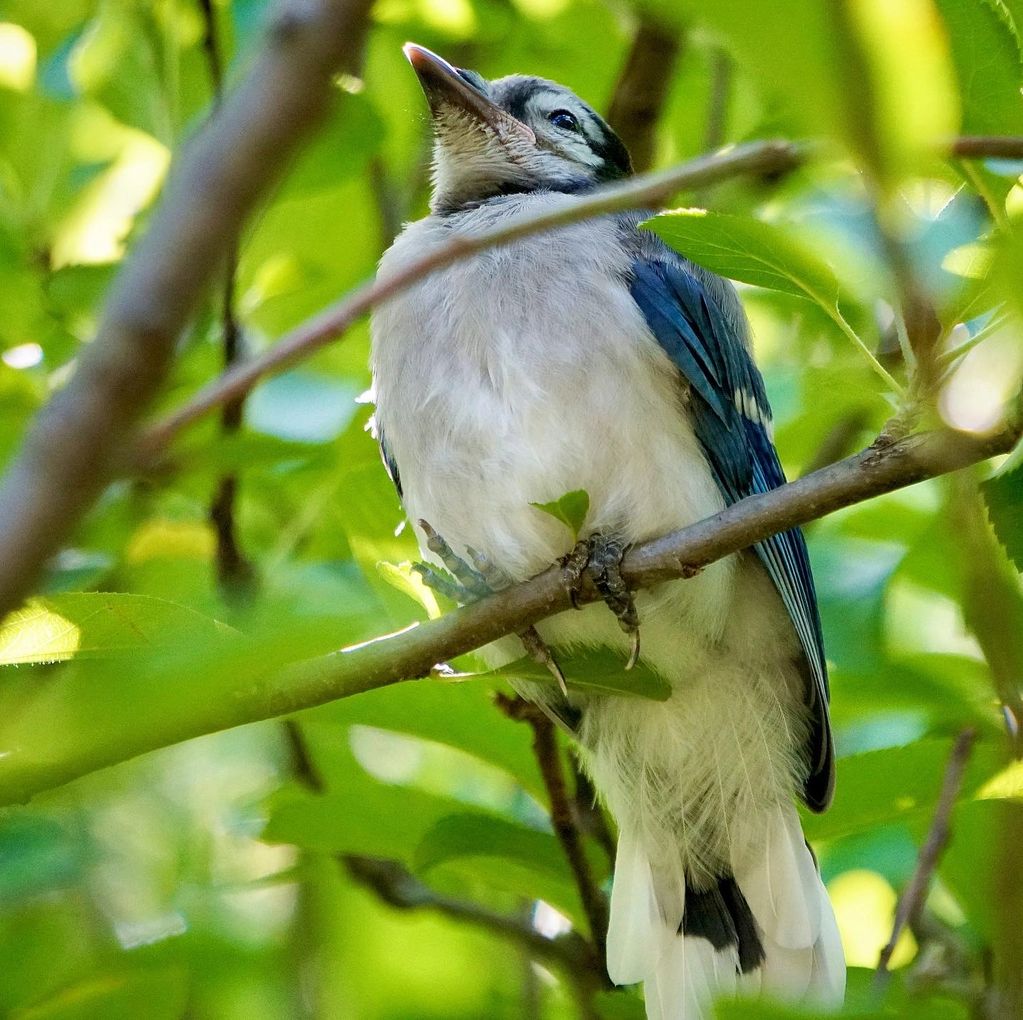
[64,729]
[987,147]
[911,903]
[79,437]
[642,88]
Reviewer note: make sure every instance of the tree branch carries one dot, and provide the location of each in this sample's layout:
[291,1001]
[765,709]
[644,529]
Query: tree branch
[564,820]
[52,733]
[912,900]
[79,437]
[987,147]
[638,192]
[642,88]
[235,574]
[398,887]
[645,190]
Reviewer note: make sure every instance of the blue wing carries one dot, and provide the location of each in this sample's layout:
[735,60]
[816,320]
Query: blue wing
[731,417]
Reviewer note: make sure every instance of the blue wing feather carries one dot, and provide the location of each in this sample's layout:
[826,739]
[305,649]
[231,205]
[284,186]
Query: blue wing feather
[730,415]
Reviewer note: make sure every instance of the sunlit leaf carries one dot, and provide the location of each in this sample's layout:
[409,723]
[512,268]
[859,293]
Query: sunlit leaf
[571,509]
[749,250]
[1003,494]
[60,627]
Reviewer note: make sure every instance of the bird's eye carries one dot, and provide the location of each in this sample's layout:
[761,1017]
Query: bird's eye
[564,120]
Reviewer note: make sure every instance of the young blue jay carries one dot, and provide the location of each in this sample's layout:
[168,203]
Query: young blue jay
[596,358]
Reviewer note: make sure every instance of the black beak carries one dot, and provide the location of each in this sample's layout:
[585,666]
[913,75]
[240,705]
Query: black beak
[445,87]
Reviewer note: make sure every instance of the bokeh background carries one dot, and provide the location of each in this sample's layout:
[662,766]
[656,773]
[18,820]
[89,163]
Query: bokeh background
[220,878]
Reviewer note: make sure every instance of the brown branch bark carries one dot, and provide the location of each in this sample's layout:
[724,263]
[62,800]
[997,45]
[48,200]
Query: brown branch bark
[68,728]
[395,885]
[642,88]
[645,190]
[398,887]
[987,147]
[79,437]
[564,819]
[911,902]
[236,575]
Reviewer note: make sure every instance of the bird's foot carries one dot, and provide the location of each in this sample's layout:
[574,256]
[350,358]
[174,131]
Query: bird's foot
[465,583]
[600,557]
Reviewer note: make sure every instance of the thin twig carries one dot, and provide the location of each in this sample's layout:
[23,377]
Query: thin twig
[987,147]
[642,88]
[564,820]
[235,573]
[912,900]
[395,885]
[645,190]
[592,819]
[77,440]
[72,728]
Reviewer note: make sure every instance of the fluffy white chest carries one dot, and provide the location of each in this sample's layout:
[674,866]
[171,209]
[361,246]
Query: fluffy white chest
[527,372]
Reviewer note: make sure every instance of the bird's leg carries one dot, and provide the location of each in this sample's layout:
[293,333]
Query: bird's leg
[467,583]
[600,556]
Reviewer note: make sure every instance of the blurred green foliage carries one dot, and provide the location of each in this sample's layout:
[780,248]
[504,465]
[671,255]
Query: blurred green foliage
[203,880]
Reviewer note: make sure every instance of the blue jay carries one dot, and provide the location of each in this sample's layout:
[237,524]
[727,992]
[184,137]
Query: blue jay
[594,357]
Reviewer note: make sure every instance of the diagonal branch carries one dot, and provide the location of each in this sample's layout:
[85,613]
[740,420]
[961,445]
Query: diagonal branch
[646,190]
[398,887]
[911,902]
[79,437]
[564,819]
[52,733]
[773,157]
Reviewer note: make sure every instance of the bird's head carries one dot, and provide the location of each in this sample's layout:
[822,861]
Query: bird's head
[512,135]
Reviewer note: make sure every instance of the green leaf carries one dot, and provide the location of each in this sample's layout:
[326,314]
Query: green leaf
[474,834]
[61,627]
[363,816]
[986,52]
[459,715]
[769,40]
[762,254]
[749,250]
[1003,494]
[501,853]
[899,101]
[894,784]
[593,671]
[571,509]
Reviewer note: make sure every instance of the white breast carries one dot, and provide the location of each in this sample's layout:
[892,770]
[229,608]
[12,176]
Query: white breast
[526,372]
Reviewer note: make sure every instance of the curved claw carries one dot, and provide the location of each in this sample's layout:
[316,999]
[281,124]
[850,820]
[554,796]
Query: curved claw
[539,652]
[634,650]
